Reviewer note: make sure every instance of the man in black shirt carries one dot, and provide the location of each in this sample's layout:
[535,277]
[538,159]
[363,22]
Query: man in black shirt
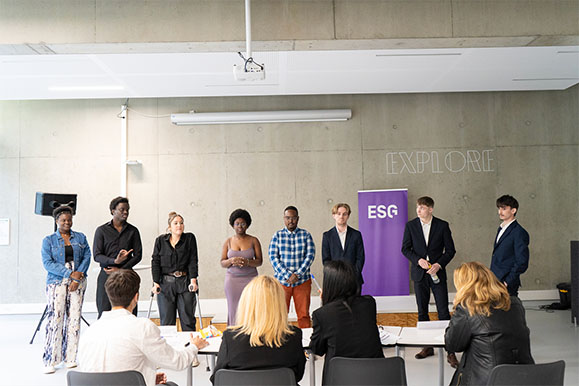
[117,245]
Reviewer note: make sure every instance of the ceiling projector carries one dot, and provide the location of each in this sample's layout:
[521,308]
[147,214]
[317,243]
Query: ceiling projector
[249,71]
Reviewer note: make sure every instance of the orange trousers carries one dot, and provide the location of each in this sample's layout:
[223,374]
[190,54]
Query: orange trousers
[301,294]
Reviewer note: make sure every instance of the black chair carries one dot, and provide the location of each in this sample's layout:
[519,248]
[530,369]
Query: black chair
[367,371]
[121,378]
[538,374]
[277,377]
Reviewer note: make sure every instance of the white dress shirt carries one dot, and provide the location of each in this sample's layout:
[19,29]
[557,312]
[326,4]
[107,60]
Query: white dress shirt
[426,230]
[342,236]
[503,229]
[119,341]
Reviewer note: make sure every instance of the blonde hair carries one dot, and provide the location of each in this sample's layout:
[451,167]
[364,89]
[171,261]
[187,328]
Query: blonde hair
[172,216]
[341,205]
[262,313]
[478,290]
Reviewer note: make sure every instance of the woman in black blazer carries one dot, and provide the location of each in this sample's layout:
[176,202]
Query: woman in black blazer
[345,325]
[262,338]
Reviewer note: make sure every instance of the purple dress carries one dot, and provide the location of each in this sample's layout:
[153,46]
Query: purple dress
[236,279]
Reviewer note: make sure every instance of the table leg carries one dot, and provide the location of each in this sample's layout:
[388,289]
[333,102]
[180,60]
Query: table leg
[189,375]
[312,367]
[213,362]
[441,366]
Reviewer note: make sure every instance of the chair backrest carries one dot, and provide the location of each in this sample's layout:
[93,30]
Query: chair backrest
[121,378]
[538,374]
[366,371]
[277,377]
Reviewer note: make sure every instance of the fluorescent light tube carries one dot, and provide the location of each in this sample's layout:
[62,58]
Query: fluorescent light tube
[261,117]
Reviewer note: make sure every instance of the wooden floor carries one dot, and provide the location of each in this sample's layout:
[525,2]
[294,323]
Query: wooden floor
[405,319]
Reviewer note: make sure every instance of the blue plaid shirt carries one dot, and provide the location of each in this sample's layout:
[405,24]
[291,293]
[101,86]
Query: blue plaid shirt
[292,252]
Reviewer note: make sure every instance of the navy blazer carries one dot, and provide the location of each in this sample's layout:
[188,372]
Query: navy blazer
[440,247]
[511,256]
[353,251]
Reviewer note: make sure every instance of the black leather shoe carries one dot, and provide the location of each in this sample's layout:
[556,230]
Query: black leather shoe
[451,359]
[425,352]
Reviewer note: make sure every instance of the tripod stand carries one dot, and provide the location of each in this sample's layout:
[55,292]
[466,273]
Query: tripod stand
[42,320]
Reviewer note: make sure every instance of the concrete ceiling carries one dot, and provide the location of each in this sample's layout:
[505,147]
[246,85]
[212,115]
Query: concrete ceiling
[288,72]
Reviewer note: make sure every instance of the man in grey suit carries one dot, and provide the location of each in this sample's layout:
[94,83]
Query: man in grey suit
[343,242]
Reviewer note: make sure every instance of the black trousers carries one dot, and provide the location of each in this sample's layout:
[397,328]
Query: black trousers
[422,290]
[102,300]
[175,296]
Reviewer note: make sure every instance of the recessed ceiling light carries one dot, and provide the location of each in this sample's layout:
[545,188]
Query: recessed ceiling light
[540,79]
[86,88]
[434,54]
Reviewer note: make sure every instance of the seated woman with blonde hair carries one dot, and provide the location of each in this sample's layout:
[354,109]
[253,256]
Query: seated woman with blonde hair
[262,337]
[487,324]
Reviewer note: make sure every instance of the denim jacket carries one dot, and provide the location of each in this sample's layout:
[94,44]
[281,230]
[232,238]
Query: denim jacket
[53,255]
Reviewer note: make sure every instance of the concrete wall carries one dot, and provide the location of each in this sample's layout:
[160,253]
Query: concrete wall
[486,144]
[123,21]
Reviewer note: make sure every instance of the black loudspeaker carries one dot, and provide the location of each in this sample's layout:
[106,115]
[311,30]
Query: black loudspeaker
[47,202]
[575,282]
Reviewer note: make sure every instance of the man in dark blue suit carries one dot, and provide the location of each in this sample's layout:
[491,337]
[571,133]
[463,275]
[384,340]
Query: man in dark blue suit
[343,242]
[511,247]
[428,244]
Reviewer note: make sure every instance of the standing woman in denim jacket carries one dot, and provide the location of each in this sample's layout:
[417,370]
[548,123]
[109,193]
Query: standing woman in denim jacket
[66,257]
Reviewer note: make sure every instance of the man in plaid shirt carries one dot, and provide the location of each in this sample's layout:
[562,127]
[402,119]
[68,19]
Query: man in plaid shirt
[291,252]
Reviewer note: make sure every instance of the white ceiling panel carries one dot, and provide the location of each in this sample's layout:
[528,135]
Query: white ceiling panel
[25,77]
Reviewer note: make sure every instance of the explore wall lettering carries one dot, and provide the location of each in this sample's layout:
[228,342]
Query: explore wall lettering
[438,161]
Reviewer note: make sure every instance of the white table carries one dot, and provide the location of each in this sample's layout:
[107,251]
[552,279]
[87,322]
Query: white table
[400,337]
[415,337]
[179,339]
[306,337]
[213,349]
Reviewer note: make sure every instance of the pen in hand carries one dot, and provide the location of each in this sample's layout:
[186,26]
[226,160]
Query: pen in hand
[316,283]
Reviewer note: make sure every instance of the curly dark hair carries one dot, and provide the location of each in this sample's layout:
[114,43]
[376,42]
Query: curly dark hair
[116,201]
[60,210]
[240,213]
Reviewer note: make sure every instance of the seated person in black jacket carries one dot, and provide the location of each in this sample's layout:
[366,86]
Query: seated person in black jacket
[487,324]
[345,325]
[262,337]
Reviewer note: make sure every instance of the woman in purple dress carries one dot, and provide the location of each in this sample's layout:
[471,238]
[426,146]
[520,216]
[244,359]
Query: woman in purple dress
[241,254]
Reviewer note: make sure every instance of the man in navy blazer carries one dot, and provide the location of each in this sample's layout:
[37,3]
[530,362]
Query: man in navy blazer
[343,242]
[428,244]
[511,246]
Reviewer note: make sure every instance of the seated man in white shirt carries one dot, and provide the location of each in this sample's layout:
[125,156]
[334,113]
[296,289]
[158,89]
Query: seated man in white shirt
[119,341]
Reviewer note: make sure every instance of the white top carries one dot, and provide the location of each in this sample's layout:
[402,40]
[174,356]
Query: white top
[119,341]
[503,229]
[342,236]
[426,230]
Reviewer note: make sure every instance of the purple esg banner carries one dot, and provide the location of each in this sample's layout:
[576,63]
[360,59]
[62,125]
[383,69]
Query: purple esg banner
[382,217]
